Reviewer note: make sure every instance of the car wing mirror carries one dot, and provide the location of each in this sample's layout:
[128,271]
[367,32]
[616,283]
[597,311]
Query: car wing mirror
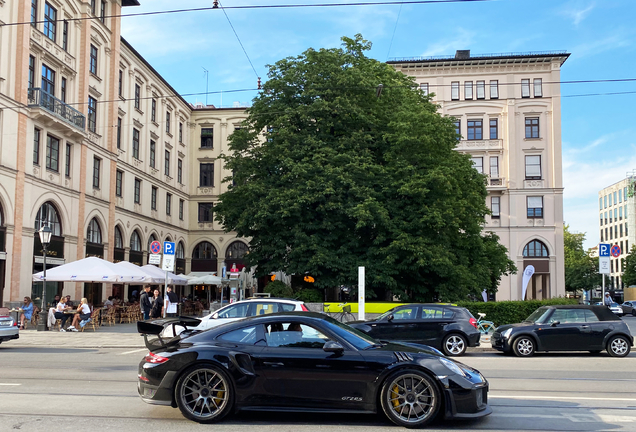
[215,315]
[390,318]
[555,323]
[333,347]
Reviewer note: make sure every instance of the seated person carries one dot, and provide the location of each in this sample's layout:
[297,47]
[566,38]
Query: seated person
[26,312]
[55,301]
[69,303]
[59,312]
[83,315]
[109,302]
[294,333]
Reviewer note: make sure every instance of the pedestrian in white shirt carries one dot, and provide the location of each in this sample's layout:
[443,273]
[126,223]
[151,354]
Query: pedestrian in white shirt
[170,303]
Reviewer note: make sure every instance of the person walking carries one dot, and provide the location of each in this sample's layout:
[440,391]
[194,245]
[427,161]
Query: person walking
[144,302]
[607,301]
[170,303]
[26,312]
[157,305]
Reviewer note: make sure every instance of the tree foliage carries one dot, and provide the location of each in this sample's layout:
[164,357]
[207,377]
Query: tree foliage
[344,163]
[581,270]
[629,268]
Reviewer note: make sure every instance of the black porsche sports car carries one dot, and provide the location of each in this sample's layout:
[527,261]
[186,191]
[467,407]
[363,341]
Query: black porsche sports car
[303,361]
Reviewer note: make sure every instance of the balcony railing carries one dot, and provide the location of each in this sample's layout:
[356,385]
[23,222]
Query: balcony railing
[40,98]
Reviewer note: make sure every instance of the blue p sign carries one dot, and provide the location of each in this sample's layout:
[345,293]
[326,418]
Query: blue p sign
[169,249]
[604,250]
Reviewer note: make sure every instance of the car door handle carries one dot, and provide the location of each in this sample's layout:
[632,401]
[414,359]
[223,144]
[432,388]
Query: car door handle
[275,364]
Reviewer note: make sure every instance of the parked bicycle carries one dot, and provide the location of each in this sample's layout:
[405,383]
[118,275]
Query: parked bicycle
[485,327]
[343,314]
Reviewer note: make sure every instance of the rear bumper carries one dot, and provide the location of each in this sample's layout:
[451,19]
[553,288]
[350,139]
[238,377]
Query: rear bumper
[473,339]
[161,394]
[9,335]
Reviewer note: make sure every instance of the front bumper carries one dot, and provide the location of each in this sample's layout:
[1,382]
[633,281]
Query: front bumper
[463,403]
[500,343]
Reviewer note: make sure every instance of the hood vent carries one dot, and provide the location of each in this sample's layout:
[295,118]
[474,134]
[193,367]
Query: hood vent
[403,357]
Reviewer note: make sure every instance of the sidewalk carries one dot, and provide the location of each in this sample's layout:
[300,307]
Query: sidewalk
[117,336]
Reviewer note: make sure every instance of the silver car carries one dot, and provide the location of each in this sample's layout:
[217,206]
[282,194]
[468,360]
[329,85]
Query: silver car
[8,329]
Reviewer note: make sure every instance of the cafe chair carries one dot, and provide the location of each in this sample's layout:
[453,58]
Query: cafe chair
[93,321]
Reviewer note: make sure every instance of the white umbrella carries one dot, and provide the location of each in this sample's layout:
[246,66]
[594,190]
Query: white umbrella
[159,276]
[205,280]
[91,269]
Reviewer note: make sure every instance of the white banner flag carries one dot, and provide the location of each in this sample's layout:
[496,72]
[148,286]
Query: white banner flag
[527,275]
[484,295]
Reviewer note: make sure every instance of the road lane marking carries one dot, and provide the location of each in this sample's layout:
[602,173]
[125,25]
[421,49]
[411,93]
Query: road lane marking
[9,384]
[575,418]
[490,396]
[133,351]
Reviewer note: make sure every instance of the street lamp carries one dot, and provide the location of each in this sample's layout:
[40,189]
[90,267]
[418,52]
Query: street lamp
[45,239]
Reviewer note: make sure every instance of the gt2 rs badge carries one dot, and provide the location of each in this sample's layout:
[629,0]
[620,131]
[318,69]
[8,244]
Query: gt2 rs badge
[352,398]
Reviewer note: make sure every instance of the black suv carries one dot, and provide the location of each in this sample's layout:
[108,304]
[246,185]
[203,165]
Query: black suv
[449,328]
[565,328]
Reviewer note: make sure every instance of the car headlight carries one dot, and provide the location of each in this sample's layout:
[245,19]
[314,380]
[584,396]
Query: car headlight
[452,366]
[506,333]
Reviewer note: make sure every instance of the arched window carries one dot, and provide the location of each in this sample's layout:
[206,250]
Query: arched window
[535,249]
[1,217]
[236,250]
[151,239]
[94,233]
[168,239]
[204,250]
[135,242]
[47,215]
[119,239]
[180,251]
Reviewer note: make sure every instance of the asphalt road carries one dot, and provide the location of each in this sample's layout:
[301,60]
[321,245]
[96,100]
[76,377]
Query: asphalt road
[55,388]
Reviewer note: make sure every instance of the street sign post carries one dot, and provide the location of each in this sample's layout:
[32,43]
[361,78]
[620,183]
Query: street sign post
[604,263]
[167,265]
[155,247]
[615,251]
[154,259]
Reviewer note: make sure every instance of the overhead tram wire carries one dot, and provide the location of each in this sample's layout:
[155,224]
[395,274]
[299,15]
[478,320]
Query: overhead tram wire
[279,6]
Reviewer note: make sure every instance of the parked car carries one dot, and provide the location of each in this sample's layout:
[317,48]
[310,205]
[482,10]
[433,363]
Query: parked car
[449,328]
[629,307]
[8,328]
[304,361]
[565,328]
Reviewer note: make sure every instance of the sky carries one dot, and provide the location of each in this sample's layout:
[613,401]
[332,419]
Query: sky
[598,131]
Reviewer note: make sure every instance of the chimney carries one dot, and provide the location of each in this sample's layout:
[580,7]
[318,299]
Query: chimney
[462,54]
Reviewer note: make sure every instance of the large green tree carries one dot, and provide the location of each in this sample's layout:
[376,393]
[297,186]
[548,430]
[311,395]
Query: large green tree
[629,268]
[344,163]
[581,270]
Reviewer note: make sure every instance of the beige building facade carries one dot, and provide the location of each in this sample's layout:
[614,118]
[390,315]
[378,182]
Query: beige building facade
[508,112]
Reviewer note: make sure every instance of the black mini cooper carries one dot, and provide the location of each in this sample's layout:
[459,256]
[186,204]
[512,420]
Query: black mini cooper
[303,361]
[565,328]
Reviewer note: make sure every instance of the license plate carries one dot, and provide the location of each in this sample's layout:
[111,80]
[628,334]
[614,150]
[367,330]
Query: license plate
[6,323]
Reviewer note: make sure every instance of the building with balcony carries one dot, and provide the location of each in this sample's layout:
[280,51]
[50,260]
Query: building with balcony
[507,109]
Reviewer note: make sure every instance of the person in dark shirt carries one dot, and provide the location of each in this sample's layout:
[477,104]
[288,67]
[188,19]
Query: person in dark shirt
[144,302]
[157,305]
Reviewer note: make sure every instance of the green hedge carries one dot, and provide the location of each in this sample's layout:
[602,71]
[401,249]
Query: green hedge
[508,312]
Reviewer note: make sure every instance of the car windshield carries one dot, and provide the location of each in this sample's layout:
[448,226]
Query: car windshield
[355,337]
[538,315]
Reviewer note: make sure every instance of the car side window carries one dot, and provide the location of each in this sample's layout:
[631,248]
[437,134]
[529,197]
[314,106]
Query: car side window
[262,308]
[238,311]
[286,307]
[590,316]
[432,312]
[405,313]
[568,316]
[293,335]
[246,335]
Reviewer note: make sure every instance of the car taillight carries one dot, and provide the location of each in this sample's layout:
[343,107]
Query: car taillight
[15,324]
[155,359]
[143,378]
[473,322]
[304,308]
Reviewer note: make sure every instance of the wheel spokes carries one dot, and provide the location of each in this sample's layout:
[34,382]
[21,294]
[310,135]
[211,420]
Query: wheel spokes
[204,393]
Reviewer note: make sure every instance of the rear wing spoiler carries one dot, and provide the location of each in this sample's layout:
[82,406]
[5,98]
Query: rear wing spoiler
[157,327]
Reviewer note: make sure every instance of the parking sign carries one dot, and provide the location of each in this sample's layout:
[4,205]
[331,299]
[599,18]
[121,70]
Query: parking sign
[168,248]
[604,258]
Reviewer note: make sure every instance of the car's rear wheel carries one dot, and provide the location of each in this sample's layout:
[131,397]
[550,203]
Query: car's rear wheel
[204,393]
[523,346]
[618,346]
[410,398]
[454,345]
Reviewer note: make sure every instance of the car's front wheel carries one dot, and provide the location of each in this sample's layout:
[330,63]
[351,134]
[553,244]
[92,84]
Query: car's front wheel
[204,393]
[454,345]
[618,346]
[523,346]
[410,398]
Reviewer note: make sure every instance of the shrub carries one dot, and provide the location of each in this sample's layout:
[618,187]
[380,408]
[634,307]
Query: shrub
[310,295]
[278,289]
[508,312]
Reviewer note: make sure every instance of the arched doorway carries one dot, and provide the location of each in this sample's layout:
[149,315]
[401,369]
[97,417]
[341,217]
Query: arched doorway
[136,253]
[119,251]
[47,215]
[535,253]
[204,258]
[94,248]
[3,255]
[234,255]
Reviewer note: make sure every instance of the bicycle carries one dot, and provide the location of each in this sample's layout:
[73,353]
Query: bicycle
[344,315]
[484,327]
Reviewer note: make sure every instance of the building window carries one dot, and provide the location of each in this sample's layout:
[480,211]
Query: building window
[137,96]
[600,203]
[153,198]
[468,90]
[601,221]
[525,88]
[93,61]
[494,133]
[179,171]
[153,151]
[50,21]
[52,153]
[93,7]
[535,249]
[207,138]
[96,168]
[135,143]
[494,89]
[206,212]
[118,132]
[168,204]
[494,206]
[455,90]
[36,146]
[206,174]
[533,167]
[620,213]
[620,195]
[65,36]
[615,202]
[605,218]
[92,114]
[494,166]
[535,207]
[180,209]
[119,179]
[621,230]
[153,111]
[458,128]
[478,164]
[532,127]
[481,89]
[180,132]
[67,170]
[48,80]
[120,88]
[102,12]
[63,90]
[135,242]
[424,89]
[602,239]
[34,13]
[474,130]
[167,163]
[31,72]
[94,233]
[605,200]
[167,121]
[538,87]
